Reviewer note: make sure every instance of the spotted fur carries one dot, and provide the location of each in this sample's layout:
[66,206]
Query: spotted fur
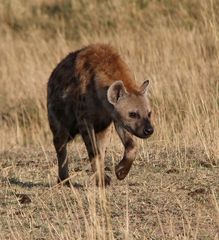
[87,91]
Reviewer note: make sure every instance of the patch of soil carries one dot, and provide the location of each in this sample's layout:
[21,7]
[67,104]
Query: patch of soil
[155,201]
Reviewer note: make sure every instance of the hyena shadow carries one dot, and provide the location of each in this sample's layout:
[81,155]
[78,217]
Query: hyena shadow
[29,184]
[26,184]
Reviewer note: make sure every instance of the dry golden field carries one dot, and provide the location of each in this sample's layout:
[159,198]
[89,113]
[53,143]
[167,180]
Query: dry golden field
[172,191]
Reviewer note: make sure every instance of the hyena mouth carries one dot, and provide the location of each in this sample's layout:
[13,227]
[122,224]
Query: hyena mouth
[142,135]
[129,129]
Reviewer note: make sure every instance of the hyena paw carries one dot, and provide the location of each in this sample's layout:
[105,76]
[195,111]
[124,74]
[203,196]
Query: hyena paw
[122,170]
[107,180]
[104,181]
[66,182]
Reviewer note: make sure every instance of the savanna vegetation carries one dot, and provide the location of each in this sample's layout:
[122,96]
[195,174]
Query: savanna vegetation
[172,191]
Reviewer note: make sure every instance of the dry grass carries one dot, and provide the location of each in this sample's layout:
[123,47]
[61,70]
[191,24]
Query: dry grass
[176,46]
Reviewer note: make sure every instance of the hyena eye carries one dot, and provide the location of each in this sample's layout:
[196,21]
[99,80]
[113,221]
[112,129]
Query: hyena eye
[149,114]
[134,115]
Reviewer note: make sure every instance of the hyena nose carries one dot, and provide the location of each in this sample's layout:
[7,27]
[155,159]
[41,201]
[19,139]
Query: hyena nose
[148,131]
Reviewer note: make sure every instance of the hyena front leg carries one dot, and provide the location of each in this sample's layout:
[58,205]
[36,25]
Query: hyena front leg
[102,140]
[122,169]
[96,151]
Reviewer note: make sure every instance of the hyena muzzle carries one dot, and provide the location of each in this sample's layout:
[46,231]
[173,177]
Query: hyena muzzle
[87,91]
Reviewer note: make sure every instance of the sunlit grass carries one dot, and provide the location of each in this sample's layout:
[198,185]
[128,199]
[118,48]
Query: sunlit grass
[175,45]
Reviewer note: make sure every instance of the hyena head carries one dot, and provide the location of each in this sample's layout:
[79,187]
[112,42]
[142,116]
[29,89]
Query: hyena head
[131,110]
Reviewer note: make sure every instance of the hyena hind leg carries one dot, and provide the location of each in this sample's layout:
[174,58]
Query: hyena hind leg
[60,141]
[102,140]
[96,151]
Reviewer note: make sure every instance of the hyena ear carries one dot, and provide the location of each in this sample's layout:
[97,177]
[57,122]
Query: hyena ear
[116,91]
[144,87]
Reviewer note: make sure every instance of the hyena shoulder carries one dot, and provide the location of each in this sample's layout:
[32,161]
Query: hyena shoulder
[101,65]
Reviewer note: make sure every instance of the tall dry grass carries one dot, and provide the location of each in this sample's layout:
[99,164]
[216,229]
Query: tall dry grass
[175,44]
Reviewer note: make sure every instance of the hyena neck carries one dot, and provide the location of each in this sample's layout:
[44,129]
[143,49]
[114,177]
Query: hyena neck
[102,96]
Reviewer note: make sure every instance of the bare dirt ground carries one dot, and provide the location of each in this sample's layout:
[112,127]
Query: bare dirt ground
[169,194]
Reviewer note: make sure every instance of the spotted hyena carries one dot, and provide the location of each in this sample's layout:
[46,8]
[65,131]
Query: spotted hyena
[87,91]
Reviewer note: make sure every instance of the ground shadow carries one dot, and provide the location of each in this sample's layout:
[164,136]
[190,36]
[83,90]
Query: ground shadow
[26,184]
